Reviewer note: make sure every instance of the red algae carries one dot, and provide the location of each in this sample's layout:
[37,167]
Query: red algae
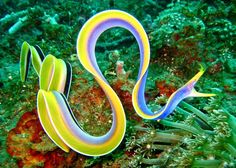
[29,144]
[165,89]
[124,95]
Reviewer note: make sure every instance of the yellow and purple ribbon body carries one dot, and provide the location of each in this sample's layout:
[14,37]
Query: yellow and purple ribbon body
[54,108]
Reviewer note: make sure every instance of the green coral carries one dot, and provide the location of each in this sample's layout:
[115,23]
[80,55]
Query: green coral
[189,32]
[208,139]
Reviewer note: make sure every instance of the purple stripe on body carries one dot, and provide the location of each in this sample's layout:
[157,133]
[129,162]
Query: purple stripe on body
[103,26]
[69,120]
[98,30]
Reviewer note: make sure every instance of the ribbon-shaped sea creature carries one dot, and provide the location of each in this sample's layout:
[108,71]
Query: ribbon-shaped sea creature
[54,74]
[54,110]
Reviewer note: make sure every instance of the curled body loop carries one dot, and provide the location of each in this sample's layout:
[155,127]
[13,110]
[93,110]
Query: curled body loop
[54,107]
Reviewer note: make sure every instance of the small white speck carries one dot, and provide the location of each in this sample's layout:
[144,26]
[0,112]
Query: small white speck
[148,146]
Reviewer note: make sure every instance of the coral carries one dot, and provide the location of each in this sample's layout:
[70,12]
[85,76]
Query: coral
[165,89]
[183,146]
[190,32]
[85,97]
[31,147]
[20,139]
[182,34]
[177,33]
[123,88]
[204,138]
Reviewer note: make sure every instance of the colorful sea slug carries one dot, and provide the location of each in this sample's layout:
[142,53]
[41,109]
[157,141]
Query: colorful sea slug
[54,111]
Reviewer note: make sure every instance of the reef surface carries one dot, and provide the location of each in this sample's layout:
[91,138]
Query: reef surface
[183,34]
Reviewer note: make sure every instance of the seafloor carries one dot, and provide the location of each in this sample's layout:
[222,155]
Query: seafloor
[201,132]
